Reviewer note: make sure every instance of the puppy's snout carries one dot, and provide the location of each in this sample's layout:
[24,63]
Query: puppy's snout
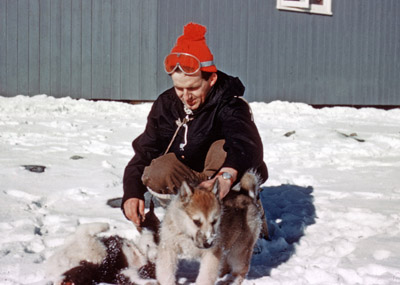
[208,244]
[204,240]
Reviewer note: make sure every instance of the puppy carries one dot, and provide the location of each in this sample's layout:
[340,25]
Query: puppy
[198,225]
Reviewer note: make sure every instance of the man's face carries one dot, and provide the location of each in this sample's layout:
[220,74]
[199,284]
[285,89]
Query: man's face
[192,89]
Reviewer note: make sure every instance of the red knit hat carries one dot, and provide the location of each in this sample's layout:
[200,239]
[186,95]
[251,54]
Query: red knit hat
[193,42]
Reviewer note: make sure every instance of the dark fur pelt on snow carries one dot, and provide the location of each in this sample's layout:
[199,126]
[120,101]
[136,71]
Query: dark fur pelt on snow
[109,270]
[87,258]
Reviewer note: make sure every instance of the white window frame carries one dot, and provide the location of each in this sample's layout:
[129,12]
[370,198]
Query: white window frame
[295,3]
[305,6]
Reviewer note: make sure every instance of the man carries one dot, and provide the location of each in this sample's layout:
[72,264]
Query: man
[199,130]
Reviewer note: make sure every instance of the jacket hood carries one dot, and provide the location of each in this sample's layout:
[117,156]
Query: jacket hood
[224,89]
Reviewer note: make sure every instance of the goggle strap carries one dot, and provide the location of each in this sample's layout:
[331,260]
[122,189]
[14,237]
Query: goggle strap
[206,63]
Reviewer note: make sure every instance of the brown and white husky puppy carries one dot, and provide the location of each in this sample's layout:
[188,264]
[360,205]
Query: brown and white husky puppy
[198,225]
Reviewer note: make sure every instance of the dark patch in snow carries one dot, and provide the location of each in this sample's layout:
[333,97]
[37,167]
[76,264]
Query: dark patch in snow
[288,134]
[76,157]
[352,136]
[114,202]
[35,168]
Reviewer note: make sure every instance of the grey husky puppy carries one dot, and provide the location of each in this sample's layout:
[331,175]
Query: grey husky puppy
[198,225]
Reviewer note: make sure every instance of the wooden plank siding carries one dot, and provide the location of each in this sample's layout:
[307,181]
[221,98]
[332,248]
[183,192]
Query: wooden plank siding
[3,47]
[93,49]
[114,49]
[350,58]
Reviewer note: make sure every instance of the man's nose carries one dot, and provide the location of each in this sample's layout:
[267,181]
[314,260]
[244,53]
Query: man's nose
[186,94]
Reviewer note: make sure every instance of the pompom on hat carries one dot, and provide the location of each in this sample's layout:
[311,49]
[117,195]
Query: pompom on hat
[193,42]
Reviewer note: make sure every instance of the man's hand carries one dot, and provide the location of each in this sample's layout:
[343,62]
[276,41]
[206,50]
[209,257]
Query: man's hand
[224,184]
[134,210]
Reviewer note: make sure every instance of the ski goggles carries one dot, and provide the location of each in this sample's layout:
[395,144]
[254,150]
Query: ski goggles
[187,63]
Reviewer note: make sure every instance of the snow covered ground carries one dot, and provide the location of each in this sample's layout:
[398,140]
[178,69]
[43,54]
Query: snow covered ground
[332,200]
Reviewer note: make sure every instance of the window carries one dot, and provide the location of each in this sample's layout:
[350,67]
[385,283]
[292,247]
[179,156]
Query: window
[307,6]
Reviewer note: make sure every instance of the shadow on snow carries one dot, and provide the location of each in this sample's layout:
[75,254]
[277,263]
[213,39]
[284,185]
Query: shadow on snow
[289,210]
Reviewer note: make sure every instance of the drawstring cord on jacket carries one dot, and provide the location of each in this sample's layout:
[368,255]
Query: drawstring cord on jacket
[182,145]
[180,123]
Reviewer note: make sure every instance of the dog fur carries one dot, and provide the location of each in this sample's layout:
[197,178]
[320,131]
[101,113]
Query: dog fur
[80,246]
[87,258]
[197,225]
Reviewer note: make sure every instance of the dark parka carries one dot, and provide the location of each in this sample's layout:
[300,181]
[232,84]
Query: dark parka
[224,115]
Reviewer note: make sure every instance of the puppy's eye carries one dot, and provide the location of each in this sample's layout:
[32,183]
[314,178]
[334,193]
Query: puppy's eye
[197,223]
[214,222]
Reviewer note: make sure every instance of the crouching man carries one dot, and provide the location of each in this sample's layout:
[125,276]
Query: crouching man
[201,129]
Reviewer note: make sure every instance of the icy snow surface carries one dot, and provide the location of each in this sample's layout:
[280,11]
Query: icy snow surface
[332,200]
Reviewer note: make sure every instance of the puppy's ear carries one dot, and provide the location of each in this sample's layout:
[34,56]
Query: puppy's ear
[215,188]
[185,192]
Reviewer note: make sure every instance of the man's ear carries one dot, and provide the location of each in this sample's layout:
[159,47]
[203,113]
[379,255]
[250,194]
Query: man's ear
[213,79]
